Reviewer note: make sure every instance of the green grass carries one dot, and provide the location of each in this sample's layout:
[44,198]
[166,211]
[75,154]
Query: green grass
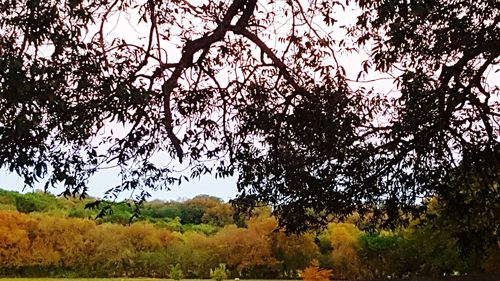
[124,279]
[81,279]
[116,279]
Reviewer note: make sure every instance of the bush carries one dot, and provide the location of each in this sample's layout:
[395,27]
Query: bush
[80,213]
[219,273]
[30,203]
[315,273]
[7,197]
[176,272]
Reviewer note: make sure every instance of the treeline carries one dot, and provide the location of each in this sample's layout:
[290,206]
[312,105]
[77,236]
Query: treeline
[41,235]
[201,213]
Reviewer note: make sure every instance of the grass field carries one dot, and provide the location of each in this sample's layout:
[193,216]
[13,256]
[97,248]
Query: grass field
[112,279]
[127,279]
[81,279]
[85,279]
[123,279]
[472,277]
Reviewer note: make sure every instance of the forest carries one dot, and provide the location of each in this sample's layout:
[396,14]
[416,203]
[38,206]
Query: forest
[42,235]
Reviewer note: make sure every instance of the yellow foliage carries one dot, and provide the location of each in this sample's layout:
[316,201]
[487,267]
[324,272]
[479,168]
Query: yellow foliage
[14,238]
[345,257]
[55,241]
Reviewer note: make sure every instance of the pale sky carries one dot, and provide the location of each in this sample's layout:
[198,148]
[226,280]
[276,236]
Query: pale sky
[222,188]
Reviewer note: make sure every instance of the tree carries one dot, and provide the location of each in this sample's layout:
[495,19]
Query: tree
[256,88]
[345,254]
[219,215]
[15,238]
[35,202]
[448,117]
[380,251]
[247,252]
[294,252]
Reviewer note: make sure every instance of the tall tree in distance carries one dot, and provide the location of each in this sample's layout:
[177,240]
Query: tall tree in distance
[254,88]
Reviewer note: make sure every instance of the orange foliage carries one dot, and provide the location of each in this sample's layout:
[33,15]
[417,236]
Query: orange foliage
[315,273]
[246,248]
[59,241]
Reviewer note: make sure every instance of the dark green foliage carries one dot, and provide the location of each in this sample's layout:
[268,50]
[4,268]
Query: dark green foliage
[426,250]
[468,204]
[435,251]
[191,214]
[380,243]
[383,254]
[171,210]
[36,202]
[80,213]
[27,204]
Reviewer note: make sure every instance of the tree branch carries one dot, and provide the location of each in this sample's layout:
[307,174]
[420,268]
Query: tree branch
[276,61]
[188,52]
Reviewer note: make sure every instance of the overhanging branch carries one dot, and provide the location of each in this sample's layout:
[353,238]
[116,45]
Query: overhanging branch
[190,49]
[276,61]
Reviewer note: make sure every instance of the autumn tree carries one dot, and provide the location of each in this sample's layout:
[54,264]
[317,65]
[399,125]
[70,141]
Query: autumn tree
[345,255]
[196,253]
[247,252]
[253,88]
[294,252]
[219,215]
[14,238]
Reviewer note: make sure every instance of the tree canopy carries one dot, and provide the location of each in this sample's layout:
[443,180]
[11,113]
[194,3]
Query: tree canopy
[256,88]
[58,239]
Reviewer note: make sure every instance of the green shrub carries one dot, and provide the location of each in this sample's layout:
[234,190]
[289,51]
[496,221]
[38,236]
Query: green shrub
[176,272]
[30,203]
[206,229]
[219,273]
[37,201]
[7,197]
[80,213]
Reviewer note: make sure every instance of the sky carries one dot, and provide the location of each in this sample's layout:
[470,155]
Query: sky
[221,188]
